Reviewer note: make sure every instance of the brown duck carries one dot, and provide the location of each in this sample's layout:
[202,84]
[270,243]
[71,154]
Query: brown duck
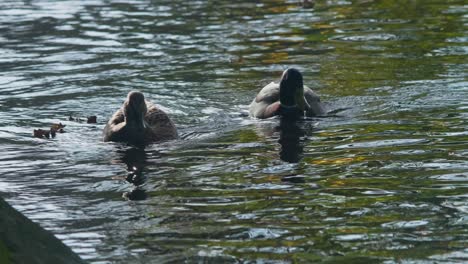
[139,122]
[289,98]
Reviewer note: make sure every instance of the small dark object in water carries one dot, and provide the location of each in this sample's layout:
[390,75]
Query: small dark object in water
[57,128]
[374,164]
[92,120]
[89,119]
[308,3]
[54,129]
[41,133]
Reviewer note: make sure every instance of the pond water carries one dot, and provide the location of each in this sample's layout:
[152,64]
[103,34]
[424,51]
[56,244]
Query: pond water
[383,178]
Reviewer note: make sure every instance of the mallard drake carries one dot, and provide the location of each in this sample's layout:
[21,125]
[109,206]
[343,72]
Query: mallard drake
[288,98]
[139,122]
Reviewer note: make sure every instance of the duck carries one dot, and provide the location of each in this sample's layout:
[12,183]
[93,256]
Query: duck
[289,98]
[139,122]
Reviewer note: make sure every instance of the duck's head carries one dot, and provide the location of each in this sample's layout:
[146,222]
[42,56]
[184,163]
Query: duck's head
[134,109]
[292,92]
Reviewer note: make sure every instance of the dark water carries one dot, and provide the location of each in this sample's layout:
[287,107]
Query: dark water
[383,181]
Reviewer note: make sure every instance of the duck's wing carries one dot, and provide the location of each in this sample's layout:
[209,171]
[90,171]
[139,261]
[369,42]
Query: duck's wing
[268,94]
[266,103]
[113,128]
[117,118]
[162,127]
[314,106]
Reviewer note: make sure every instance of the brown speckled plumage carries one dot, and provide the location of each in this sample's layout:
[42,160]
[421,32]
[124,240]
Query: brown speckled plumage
[139,122]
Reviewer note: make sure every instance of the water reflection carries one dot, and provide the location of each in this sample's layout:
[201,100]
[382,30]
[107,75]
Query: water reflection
[290,140]
[291,135]
[135,160]
[399,65]
[136,194]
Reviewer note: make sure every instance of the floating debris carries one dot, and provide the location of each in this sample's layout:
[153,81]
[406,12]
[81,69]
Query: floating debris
[92,120]
[52,132]
[58,128]
[76,119]
[41,133]
[89,119]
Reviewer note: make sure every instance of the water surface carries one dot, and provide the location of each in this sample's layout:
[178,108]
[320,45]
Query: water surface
[384,180]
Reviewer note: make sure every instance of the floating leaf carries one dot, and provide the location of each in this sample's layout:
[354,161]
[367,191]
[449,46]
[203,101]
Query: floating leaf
[56,128]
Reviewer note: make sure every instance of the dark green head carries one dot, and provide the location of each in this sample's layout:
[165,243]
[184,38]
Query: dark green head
[292,91]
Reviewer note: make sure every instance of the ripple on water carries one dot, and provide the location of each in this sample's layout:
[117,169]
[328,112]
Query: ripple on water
[382,175]
[383,143]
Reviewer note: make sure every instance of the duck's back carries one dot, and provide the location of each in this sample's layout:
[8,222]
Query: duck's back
[268,94]
[266,101]
[316,108]
[113,131]
[161,126]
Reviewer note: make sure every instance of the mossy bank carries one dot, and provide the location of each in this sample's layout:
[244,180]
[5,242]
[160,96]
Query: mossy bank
[23,241]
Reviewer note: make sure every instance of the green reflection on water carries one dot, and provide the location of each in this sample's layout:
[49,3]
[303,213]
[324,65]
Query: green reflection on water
[4,253]
[383,180]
